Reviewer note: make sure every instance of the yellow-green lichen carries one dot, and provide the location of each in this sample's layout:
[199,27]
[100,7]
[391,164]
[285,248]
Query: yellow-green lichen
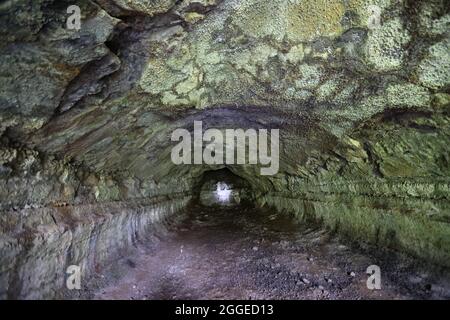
[326,90]
[310,76]
[158,77]
[407,95]
[309,19]
[434,70]
[295,54]
[261,18]
[385,47]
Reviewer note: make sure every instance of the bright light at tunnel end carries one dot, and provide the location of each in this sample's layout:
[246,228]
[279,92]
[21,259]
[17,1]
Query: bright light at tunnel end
[227,146]
[223,192]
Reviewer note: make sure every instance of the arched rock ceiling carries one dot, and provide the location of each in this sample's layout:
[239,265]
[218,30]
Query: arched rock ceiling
[110,95]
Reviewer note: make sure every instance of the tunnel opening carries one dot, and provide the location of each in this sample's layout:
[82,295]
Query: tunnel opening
[222,188]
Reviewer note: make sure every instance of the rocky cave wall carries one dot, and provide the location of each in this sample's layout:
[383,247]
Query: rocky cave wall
[86,118]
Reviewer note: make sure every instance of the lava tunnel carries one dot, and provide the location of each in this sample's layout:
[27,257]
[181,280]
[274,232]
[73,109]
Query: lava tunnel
[222,187]
[224,149]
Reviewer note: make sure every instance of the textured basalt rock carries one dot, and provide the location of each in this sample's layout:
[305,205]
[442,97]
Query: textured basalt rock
[86,118]
[40,248]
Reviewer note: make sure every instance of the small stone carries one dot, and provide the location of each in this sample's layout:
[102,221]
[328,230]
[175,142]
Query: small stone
[255,248]
[351,274]
[305,281]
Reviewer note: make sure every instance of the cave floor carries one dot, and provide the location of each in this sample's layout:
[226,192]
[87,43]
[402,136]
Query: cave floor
[239,253]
